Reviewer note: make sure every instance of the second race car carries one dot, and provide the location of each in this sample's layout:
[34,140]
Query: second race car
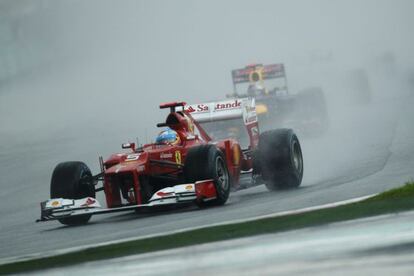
[305,111]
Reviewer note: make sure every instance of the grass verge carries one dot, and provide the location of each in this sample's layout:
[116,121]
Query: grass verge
[395,200]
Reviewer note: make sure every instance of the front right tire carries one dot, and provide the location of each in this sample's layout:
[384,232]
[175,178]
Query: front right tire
[72,180]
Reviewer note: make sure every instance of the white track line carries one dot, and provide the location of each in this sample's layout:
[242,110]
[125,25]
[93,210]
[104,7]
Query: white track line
[279,214]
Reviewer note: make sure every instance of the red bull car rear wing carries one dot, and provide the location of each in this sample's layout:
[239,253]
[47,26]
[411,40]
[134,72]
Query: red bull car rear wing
[256,72]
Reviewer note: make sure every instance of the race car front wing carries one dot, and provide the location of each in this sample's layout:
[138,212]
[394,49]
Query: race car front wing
[58,208]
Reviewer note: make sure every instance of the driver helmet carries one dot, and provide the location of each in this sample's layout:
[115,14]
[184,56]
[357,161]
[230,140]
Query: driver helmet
[168,137]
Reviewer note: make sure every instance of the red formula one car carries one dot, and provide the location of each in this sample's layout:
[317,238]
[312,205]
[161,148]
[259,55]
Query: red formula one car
[185,164]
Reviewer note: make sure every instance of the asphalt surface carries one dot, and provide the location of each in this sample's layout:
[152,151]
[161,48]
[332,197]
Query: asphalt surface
[368,149]
[374,246]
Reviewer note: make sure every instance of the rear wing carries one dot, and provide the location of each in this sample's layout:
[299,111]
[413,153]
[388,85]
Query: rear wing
[258,74]
[243,108]
[262,72]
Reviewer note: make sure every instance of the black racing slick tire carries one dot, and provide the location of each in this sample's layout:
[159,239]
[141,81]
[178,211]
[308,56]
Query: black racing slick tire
[71,180]
[208,162]
[280,159]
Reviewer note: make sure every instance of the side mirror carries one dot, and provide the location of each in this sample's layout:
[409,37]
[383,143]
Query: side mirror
[129,146]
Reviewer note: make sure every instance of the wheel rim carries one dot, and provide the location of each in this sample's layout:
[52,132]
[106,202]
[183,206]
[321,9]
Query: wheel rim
[222,174]
[297,156]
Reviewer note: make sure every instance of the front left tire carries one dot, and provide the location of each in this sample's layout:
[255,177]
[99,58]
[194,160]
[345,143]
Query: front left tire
[207,162]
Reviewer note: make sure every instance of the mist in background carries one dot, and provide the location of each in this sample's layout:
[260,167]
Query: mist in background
[77,78]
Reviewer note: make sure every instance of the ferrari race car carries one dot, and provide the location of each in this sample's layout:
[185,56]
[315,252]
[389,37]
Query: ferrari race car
[305,111]
[185,164]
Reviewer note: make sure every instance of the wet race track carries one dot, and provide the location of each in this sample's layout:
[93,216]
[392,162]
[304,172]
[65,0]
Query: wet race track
[372,246]
[358,156]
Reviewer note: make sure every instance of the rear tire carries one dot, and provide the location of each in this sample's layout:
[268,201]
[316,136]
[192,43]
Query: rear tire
[207,162]
[70,181]
[280,159]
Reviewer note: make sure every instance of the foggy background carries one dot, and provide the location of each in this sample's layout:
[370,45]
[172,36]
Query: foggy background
[78,78]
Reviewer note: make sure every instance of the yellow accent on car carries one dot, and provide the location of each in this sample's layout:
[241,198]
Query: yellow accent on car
[178,157]
[236,155]
[256,75]
[261,109]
